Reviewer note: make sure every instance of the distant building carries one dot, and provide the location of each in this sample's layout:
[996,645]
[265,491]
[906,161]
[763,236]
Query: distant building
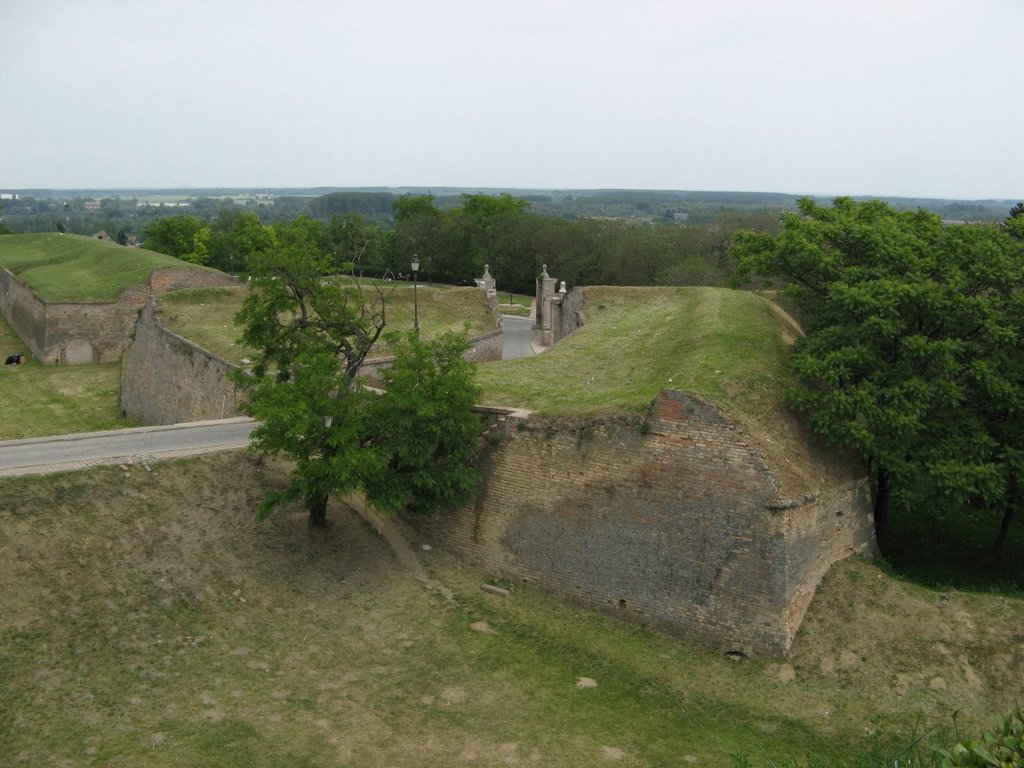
[8,195]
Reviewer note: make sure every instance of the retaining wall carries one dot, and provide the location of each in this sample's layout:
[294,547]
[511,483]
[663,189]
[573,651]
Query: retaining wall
[166,379]
[681,523]
[72,333]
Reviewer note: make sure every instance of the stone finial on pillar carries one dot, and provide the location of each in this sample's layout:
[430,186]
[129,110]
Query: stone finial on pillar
[562,289]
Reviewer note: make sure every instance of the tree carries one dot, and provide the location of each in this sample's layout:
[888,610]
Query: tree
[184,237]
[406,447]
[913,351]
[418,225]
[1015,221]
[423,429]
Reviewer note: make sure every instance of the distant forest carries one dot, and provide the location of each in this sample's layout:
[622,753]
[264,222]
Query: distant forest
[638,237]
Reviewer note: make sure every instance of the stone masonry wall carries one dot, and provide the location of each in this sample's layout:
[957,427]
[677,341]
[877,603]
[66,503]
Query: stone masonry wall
[572,318]
[103,326]
[89,331]
[166,379]
[25,313]
[680,526]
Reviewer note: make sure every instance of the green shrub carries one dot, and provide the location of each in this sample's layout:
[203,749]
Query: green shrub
[1001,748]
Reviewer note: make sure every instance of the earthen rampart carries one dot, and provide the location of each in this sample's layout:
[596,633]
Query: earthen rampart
[77,332]
[680,522]
[166,379]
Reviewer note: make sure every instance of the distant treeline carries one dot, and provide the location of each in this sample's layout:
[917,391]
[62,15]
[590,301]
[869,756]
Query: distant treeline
[614,237]
[454,244]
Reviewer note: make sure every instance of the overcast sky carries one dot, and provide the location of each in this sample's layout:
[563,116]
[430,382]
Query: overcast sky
[886,97]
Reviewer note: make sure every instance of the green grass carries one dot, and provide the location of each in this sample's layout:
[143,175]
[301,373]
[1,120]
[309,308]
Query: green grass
[40,400]
[514,304]
[74,267]
[156,623]
[725,345]
[206,315]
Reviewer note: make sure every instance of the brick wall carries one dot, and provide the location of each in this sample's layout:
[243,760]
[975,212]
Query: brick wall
[166,379]
[680,524]
[89,331]
[167,279]
[25,313]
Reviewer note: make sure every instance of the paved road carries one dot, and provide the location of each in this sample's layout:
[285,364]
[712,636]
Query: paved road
[518,337]
[65,452]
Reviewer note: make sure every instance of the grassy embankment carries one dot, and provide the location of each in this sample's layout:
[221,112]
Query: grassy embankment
[206,315]
[78,268]
[725,345]
[46,400]
[156,623]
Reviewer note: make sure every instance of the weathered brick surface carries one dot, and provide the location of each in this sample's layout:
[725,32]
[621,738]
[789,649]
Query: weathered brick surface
[167,279]
[25,313]
[681,526]
[93,331]
[166,379]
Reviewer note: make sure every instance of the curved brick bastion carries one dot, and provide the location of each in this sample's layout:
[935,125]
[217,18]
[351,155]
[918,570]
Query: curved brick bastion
[684,523]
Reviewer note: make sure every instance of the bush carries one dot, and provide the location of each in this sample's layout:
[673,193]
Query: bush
[1001,748]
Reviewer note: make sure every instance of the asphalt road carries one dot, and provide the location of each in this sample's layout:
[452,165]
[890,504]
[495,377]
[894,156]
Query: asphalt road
[517,337]
[41,455]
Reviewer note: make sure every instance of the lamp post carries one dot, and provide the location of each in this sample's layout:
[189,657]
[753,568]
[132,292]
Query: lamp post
[415,299]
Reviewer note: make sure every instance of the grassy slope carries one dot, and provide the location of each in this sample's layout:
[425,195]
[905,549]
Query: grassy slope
[206,316]
[155,623]
[40,400]
[69,267]
[725,345]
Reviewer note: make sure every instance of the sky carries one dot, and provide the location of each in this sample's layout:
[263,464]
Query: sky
[917,98]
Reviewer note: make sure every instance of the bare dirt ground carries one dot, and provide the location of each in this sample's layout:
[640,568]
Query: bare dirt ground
[147,618]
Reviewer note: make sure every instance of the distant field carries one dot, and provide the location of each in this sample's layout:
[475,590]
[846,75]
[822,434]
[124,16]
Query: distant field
[206,315]
[68,267]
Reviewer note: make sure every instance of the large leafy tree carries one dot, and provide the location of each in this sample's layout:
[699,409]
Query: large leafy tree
[408,447]
[184,237]
[913,352]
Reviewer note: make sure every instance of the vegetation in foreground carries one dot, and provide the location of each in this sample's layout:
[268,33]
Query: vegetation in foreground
[73,267]
[156,623]
[407,447]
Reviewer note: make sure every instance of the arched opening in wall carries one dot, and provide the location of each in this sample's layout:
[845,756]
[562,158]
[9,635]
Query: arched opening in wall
[78,351]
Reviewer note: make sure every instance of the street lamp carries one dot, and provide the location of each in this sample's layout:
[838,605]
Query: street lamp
[415,300]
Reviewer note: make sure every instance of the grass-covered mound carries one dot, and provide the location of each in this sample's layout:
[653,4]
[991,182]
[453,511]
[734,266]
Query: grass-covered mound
[206,316]
[150,620]
[74,267]
[729,347]
[726,345]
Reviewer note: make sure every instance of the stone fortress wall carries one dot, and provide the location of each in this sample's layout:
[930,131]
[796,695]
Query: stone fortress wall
[80,332]
[166,379]
[679,522]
